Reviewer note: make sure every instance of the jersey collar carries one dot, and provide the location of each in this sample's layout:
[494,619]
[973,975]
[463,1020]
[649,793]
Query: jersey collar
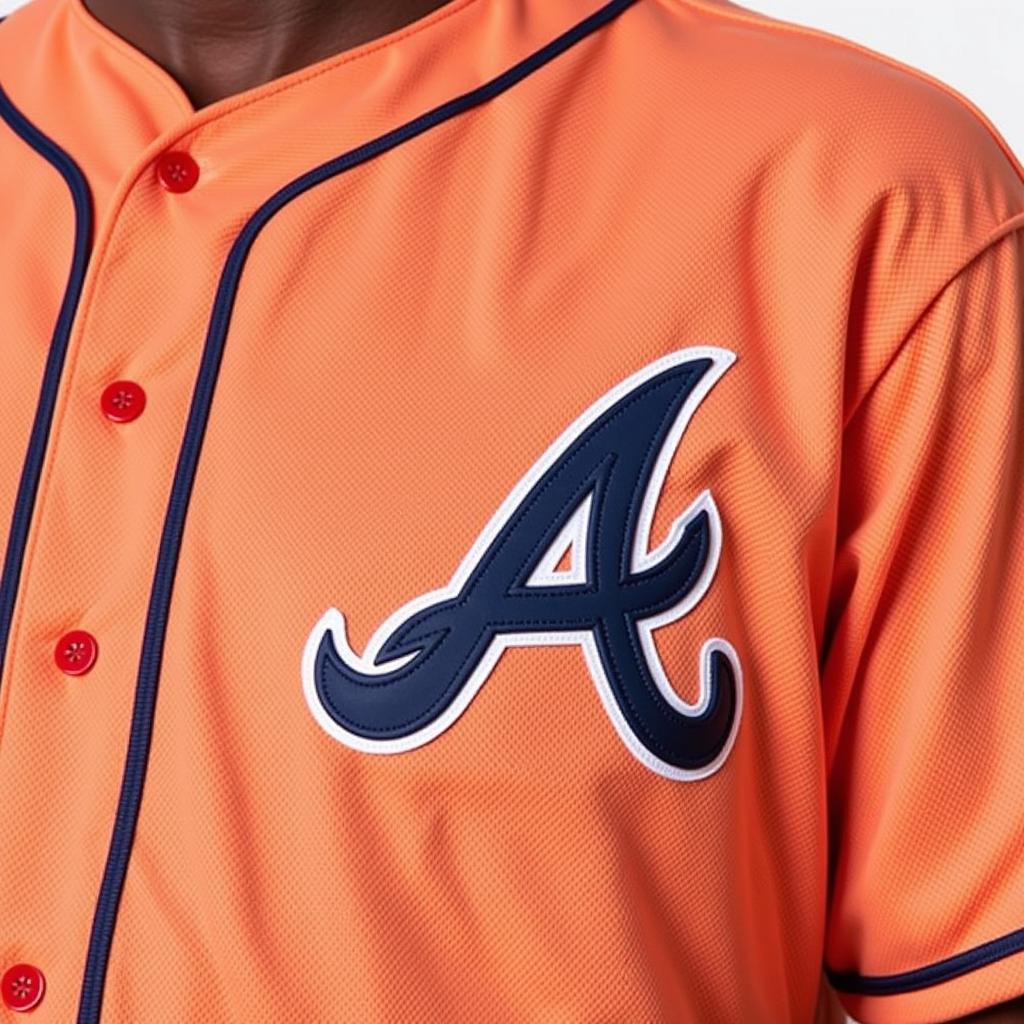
[115,110]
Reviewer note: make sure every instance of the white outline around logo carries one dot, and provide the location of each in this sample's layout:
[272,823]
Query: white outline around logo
[546,575]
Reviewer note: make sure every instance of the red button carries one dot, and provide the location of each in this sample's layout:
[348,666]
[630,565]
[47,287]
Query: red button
[177,171]
[22,986]
[76,652]
[123,401]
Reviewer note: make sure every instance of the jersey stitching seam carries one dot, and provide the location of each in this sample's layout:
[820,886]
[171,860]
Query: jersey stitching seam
[991,241]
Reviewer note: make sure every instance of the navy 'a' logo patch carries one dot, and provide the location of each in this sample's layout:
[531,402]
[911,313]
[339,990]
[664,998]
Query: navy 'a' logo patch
[592,493]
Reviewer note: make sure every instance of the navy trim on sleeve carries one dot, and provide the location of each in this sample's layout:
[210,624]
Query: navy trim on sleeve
[934,974]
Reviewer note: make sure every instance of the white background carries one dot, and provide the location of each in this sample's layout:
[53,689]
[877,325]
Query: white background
[977,46]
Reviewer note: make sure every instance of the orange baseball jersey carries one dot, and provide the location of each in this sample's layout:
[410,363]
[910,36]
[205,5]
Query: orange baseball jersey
[518,521]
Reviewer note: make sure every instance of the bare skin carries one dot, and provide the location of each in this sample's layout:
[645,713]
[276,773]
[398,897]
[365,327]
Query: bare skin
[217,48]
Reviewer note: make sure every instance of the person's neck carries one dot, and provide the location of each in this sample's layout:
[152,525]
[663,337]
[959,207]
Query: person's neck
[216,48]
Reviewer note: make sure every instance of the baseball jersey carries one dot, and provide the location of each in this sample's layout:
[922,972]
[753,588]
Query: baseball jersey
[518,521]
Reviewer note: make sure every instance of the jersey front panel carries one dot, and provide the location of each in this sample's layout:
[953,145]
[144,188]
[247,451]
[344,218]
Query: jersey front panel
[469,597]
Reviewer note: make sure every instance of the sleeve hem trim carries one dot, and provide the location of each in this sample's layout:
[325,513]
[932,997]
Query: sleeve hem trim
[934,974]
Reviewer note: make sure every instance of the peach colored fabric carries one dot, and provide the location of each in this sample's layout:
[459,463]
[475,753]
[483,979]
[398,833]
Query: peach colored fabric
[408,338]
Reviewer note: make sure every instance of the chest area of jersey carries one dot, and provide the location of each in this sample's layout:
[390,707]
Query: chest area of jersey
[389,456]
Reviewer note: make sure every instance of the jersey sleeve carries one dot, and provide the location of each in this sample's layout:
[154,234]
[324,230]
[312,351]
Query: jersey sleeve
[923,663]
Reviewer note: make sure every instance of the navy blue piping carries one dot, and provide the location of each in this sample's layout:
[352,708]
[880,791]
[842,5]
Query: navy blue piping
[32,467]
[140,735]
[934,974]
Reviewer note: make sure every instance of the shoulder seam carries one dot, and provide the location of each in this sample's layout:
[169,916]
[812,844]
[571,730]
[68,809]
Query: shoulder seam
[991,241]
[743,15]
